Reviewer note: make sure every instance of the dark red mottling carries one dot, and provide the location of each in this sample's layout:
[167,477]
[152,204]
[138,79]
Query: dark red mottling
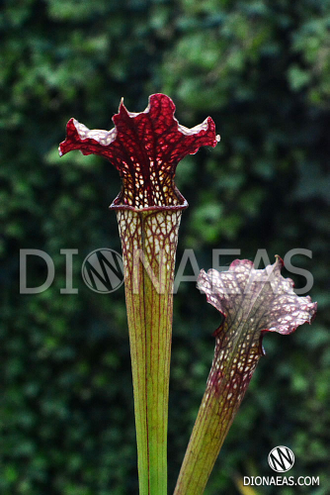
[145,148]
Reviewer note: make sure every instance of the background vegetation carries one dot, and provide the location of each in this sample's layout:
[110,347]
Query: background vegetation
[261,69]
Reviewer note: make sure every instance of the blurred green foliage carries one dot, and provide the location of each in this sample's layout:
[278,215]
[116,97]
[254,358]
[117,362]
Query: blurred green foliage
[261,69]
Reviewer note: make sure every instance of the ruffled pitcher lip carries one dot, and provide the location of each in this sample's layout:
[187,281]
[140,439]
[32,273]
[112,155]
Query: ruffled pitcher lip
[145,148]
[277,308]
[181,206]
